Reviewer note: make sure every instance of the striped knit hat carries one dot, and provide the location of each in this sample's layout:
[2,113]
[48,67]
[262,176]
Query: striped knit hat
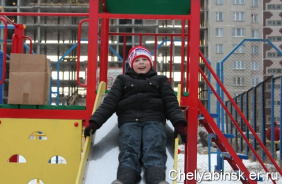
[139,51]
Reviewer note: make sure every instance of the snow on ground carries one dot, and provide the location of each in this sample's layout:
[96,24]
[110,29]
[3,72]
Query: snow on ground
[228,176]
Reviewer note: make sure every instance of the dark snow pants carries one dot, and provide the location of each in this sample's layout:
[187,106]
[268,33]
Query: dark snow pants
[143,143]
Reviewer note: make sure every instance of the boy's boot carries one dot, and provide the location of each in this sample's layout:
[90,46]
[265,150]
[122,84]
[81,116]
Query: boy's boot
[155,175]
[126,175]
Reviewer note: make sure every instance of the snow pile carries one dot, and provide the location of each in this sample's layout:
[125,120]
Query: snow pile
[228,175]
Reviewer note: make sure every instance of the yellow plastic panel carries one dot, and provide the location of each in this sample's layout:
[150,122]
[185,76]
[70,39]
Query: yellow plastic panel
[63,139]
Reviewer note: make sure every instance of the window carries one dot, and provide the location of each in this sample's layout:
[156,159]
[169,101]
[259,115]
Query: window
[275,102]
[218,16]
[238,32]
[238,1]
[276,86]
[219,48]
[219,32]
[239,50]
[238,81]
[275,118]
[255,65]
[239,16]
[238,65]
[274,71]
[255,33]
[274,22]
[274,6]
[273,54]
[255,50]
[255,3]
[275,38]
[219,2]
[255,81]
[255,18]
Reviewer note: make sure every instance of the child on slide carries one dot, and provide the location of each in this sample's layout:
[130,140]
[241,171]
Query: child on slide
[142,100]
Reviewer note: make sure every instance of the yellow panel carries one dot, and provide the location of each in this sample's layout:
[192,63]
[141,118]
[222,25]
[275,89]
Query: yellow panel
[63,139]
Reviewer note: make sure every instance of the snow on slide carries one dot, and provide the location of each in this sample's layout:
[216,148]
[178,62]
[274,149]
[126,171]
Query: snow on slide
[102,162]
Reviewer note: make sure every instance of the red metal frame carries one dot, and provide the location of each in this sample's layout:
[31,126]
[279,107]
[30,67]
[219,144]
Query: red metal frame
[191,70]
[17,47]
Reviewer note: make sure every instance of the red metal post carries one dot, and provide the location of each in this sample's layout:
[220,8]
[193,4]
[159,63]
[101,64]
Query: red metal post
[140,39]
[17,40]
[170,59]
[193,50]
[182,55]
[155,54]
[124,54]
[92,56]
[188,57]
[104,50]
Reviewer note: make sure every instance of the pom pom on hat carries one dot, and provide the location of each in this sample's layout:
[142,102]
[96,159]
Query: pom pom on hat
[139,51]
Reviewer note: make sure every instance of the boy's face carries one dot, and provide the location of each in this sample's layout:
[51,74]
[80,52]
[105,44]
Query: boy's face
[141,65]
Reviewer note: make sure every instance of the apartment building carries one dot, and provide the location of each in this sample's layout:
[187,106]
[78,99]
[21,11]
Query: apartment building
[272,30]
[230,22]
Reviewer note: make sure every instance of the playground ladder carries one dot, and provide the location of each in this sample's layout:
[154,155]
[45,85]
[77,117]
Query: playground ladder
[221,140]
[228,153]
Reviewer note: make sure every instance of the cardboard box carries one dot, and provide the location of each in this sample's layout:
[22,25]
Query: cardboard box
[29,79]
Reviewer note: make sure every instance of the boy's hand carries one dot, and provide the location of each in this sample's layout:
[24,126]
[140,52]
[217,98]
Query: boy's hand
[179,128]
[91,128]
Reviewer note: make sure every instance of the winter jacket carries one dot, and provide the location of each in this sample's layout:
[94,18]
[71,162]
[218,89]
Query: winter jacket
[140,97]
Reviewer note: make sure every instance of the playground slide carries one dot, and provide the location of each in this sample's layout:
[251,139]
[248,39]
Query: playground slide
[102,162]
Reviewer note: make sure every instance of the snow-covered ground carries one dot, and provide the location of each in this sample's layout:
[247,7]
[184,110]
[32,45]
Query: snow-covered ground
[228,176]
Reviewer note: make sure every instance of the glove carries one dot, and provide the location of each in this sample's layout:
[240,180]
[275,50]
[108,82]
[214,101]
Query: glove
[179,128]
[91,128]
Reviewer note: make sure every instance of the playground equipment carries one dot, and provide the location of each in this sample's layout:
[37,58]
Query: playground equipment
[67,123]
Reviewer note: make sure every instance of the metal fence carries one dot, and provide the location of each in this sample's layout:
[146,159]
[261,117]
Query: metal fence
[252,75]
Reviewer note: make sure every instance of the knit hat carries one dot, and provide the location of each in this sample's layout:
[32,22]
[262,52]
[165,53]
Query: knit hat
[139,51]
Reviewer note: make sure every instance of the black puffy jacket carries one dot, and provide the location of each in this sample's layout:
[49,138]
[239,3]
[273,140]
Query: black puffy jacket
[140,97]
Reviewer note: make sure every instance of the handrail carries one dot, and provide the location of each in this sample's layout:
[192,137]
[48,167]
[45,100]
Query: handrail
[5,50]
[234,121]
[87,144]
[78,52]
[242,116]
[176,140]
[30,42]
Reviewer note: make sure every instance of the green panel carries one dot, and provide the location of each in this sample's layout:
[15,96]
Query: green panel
[155,7]
[62,107]
[10,106]
[28,106]
[47,107]
[186,94]
[75,107]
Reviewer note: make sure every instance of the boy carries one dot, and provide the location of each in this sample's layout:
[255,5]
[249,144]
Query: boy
[142,101]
